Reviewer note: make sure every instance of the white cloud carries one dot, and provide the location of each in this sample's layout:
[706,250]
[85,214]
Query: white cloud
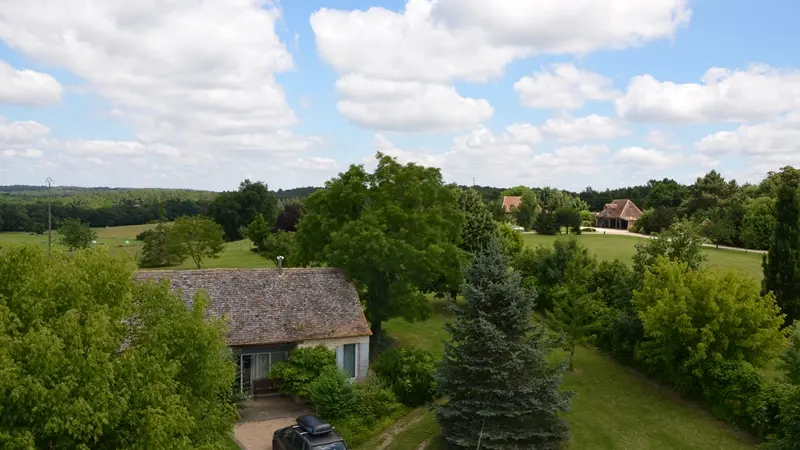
[21,132]
[195,75]
[435,43]
[647,158]
[592,127]
[756,93]
[503,159]
[773,138]
[27,87]
[661,139]
[563,86]
[408,105]
[28,153]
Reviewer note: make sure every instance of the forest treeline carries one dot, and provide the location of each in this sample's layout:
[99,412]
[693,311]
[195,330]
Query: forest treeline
[729,213]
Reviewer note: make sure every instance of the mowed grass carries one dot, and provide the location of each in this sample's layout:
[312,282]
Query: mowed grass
[613,407]
[608,247]
[236,254]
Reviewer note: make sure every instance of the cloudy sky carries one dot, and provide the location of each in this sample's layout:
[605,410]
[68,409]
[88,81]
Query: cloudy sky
[566,93]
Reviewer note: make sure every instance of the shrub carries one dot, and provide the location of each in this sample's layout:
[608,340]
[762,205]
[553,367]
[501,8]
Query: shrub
[546,224]
[409,373]
[144,234]
[332,395]
[695,318]
[355,431]
[374,400]
[304,365]
[588,230]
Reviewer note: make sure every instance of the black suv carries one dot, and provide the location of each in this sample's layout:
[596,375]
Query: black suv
[310,433]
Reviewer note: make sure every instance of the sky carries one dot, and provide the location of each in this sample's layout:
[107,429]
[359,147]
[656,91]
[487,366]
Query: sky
[564,93]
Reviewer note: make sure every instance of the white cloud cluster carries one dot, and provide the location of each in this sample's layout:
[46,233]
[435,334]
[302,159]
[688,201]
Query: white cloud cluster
[757,93]
[192,74]
[563,86]
[432,44]
[28,87]
[592,127]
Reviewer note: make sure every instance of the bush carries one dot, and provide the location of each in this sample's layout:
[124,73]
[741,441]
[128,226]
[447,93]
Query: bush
[409,373]
[304,365]
[332,395]
[356,432]
[144,234]
[374,400]
[546,224]
[588,230]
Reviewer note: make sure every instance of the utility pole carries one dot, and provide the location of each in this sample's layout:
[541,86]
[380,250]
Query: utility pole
[49,182]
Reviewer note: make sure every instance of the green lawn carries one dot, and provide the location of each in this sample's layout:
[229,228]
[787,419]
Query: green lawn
[610,247]
[123,239]
[614,407]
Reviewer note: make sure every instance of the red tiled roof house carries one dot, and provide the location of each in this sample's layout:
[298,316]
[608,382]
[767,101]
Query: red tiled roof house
[620,214]
[510,202]
[272,311]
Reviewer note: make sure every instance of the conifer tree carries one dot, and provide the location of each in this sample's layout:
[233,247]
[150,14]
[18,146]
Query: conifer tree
[782,262]
[501,390]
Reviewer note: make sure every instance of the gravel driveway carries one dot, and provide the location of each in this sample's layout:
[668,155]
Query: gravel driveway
[258,435]
[261,417]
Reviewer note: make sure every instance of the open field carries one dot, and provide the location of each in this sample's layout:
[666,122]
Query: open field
[614,407]
[609,247]
[123,239]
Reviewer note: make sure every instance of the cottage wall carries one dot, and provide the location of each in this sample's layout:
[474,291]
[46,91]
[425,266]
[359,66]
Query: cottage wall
[362,351]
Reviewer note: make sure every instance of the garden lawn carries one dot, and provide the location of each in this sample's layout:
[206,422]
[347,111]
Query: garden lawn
[236,255]
[611,246]
[614,407]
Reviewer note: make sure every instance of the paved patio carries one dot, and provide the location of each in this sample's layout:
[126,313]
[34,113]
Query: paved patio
[261,417]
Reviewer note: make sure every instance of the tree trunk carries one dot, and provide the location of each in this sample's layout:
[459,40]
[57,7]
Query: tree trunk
[572,357]
[374,340]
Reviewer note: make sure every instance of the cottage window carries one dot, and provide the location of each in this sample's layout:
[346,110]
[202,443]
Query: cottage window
[349,360]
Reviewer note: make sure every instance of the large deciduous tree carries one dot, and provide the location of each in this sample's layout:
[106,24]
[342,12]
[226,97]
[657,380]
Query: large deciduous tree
[479,227]
[782,262]
[695,318]
[395,232]
[159,248]
[681,242]
[197,237]
[501,390]
[758,223]
[91,359]
[236,209]
[75,234]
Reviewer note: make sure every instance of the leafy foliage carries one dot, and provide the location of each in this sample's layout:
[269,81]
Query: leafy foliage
[656,220]
[160,248]
[782,263]
[234,210]
[681,242]
[570,218]
[525,214]
[304,365]
[511,241]
[196,237]
[395,232]
[281,243]
[758,223]
[576,312]
[695,318]
[409,373]
[479,227]
[258,231]
[547,224]
[500,388]
[93,360]
[332,394]
[289,216]
[75,234]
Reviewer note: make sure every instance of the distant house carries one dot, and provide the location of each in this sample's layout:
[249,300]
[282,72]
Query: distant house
[272,311]
[619,214]
[510,202]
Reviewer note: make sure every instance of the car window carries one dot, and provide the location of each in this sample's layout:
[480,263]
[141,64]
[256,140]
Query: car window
[333,446]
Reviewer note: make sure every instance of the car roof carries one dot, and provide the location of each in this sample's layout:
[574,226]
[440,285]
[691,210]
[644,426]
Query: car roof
[327,438]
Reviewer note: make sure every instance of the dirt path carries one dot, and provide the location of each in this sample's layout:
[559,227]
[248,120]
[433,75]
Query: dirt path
[257,435]
[388,435]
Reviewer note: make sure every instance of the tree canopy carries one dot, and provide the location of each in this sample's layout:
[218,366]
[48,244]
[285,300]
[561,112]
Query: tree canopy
[92,359]
[782,262]
[395,232]
[197,238]
[76,234]
[235,210]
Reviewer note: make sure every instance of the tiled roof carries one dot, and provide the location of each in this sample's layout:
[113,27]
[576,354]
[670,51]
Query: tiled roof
[511,202]
[620,209]
[266,308]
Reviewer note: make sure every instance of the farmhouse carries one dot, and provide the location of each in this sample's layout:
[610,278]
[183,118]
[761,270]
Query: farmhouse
[510,201]
[272,311]
[620,214]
